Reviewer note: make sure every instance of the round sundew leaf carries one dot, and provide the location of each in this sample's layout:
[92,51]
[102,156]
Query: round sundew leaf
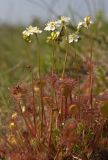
[74,110]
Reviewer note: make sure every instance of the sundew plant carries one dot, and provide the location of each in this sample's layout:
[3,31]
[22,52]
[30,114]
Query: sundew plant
[56,116]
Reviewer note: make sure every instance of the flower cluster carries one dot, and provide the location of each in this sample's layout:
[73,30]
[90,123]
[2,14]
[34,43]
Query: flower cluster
[58,29]
[53,25]
[86,23]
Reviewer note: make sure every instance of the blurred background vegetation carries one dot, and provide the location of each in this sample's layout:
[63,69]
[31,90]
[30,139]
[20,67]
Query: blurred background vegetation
[16,55]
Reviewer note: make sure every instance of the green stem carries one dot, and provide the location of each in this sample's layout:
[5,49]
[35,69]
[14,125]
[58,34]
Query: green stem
[53,56]
[65,61]
[64,64]
[39,60]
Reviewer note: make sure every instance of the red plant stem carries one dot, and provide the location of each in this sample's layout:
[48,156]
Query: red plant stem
[34,108]
[57,113]
[50,128]
[32,126]
[21,139]
[30,122]
[42,112]
[26,122]
[79,98]
[51,119]
[57,154]
[41,96]
[91,78]
[66,109]
[62,118]
[44,118]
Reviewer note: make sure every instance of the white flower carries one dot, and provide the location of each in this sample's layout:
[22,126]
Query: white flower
[63,20]
[33,30]
[51,26]
[80,25]
[73,38]
[30,31]
[26,33]
[26,36]
[87,21]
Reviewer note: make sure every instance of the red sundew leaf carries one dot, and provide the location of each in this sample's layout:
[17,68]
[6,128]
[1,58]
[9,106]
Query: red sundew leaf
[18,92]
[69,134]
[73,110]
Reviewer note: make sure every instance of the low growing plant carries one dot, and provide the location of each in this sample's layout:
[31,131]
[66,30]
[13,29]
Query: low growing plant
[57,117]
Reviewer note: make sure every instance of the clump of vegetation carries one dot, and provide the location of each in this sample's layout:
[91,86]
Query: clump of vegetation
[56,116]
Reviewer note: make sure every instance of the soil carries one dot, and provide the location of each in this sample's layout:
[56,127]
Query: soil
[100,155]
[97,155]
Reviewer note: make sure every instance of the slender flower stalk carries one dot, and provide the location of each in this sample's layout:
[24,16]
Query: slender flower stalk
[66,55]
[34,107]
[91,76]
[52,39]
[53,56]
[41,94]
[39,59]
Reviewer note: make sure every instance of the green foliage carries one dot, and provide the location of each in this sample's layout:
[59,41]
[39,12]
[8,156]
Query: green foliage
[104,109]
